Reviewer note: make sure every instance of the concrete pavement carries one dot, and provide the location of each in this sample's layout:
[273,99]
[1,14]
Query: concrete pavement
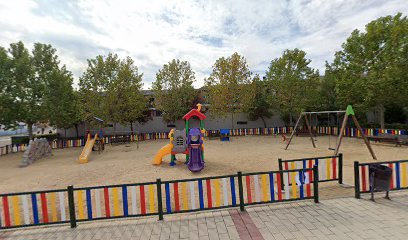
[340,218]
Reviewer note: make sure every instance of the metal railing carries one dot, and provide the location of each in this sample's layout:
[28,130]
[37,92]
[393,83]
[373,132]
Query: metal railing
[398,181]
[73,205]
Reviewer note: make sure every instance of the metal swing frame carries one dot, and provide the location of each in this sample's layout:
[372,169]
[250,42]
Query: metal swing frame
[348,112]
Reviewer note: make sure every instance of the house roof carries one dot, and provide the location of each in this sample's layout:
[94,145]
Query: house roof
[194,113]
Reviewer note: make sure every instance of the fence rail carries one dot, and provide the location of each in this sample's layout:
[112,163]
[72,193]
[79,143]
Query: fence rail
[398,181]
[285,185]
[74,205]
[34,208]
[330,167]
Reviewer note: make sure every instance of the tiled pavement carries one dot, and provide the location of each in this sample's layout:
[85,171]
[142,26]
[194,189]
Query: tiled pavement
[341,218]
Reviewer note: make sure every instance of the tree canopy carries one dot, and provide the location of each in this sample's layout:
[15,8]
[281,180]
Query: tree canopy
[173,89]
[125,95]
[229,86]
[61,101]
[111,89]
[94,84]
[260,107]
[293,83]
[25,78]
[371,69]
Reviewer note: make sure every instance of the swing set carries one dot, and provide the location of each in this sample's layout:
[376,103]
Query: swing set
[349,112]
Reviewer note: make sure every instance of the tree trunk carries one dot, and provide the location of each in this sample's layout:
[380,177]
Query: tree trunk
[76,130]
[381,110]
[42,131]
[114,128]
[232,120]
[264,122]
[65,138]
[131,127]
[290,119]
[30,130]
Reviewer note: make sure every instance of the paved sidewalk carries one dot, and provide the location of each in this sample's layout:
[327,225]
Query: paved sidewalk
[342,218]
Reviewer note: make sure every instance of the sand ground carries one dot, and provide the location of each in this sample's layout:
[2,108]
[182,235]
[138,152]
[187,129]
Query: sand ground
[125,164]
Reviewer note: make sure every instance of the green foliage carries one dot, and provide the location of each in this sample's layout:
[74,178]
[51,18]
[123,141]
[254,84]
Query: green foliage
[61,101]
[173,89]
[395,114]
[124,95]
[94,84]
[26,139]
[260,107]
[145,116]
[25,77]
[294,85]
[328,94]
[5,91]
[110,89]
[229,87]
[371,70]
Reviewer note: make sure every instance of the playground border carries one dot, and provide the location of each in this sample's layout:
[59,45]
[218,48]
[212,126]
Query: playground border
[84,204]
[80,142]
[331,169]
[399,180]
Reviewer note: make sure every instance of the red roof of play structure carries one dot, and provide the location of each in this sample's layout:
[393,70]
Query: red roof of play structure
[196,113]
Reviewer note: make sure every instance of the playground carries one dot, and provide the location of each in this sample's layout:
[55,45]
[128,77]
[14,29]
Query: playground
[120,164]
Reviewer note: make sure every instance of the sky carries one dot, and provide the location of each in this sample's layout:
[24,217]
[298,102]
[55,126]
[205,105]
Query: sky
[153,32]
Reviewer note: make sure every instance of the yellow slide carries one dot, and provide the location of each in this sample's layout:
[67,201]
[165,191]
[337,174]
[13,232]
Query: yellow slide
[84,157]
[162,152]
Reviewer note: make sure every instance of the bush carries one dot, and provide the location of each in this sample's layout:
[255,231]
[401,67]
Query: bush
[20,139]
[26,139]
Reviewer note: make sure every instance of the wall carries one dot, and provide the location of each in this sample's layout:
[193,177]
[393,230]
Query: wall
[158,125]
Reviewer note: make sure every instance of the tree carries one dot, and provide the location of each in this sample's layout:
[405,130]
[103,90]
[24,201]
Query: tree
[5,95]
[371,69]
[94,84]
[260,107]
[124,94]
[328,94]
[173,89]
[62,103]
[24,89]
[294,85]
[229,86]
[111,89]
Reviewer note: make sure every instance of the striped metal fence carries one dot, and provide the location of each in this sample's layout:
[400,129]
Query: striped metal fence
[114,201]
[266,187]
[353,132]
[330,167]
[398,181]
[74,205]
[200,194]
[33,208]
[68,143]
